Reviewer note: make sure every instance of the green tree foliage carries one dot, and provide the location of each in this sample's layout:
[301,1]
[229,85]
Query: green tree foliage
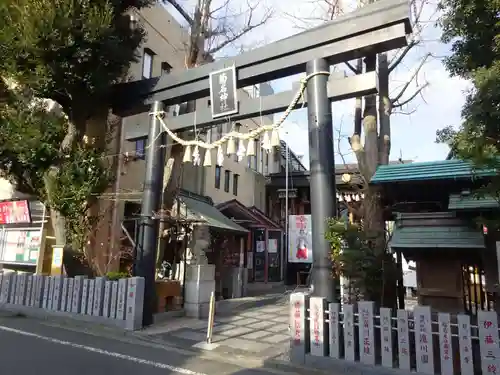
[70,52]
[358,255]
[473,29]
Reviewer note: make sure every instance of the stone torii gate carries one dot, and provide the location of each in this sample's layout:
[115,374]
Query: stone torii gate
[376,28]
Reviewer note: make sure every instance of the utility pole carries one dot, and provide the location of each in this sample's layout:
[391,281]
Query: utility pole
[322,170]
[148,228]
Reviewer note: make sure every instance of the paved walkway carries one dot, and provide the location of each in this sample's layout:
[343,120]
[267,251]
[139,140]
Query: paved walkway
[259,330]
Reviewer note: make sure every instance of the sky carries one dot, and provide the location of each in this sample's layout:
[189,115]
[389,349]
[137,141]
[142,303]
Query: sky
[413,129]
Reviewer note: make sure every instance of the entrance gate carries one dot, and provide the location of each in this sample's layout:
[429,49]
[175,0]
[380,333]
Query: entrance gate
[376,28]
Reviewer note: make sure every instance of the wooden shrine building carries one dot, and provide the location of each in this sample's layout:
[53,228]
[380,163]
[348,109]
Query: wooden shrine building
[435,208]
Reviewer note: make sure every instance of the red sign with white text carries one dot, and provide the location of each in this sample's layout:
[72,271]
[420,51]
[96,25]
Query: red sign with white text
[14,212]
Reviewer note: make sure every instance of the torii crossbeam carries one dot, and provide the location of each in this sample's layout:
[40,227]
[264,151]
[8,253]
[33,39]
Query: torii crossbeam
[376,28]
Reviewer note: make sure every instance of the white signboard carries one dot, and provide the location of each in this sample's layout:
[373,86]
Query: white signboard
[446,351]
[135,303]
[41,285]
[386,336]
[349,333]
[46,292]
[317,326]
[29,288]
[107,299]
[333,321]
[90,299]
[98,296]
[69,296]
[465,344]
[76,301]
[366,332]
[122,299]
[299,231]
[423,339]
[114,300]
[85,296]
[488,342]
[56,295]
[403,340]
[298,306]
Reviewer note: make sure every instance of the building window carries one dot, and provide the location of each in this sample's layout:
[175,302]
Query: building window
[235,183]
[227,177]
[217,177]
[140,148]
[147,63]
[166,68]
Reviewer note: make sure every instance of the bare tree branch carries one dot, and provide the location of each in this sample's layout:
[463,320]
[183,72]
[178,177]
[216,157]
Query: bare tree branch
[413,96]
[231,36]
[400,58]
[406,113]
[327,10]
[178,7]
[395,100]
[352,68]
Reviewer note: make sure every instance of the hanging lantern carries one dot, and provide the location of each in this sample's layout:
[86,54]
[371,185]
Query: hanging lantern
[231,147]
[187,154]
[347,198]
[341,198]
[220,156]
[275,138]
[196,156]
[241,150]
[356,198]
[251,147]
[207,162]
[266,143]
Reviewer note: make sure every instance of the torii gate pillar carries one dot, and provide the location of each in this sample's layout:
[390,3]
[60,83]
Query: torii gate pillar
[322,171]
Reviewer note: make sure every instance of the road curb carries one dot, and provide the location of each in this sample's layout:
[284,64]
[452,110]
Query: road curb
[134,337]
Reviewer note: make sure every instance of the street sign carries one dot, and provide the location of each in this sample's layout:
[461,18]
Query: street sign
[223,94]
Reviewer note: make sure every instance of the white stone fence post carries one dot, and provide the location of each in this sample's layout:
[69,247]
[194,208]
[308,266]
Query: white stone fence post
[334,336]
[118,303]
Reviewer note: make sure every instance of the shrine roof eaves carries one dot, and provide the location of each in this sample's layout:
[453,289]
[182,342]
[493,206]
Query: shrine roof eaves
[451,169]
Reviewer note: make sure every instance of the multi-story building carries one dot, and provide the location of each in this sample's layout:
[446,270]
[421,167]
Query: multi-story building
[237,188]
[240,183]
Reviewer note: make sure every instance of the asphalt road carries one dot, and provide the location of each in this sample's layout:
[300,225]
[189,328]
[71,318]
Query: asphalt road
[32,347]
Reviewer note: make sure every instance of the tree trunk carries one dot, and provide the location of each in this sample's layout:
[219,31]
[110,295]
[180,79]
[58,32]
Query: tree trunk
[370,127]
[172,177]
[75,261]
[385,109]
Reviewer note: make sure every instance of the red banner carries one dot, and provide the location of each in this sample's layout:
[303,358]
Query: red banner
[15,212]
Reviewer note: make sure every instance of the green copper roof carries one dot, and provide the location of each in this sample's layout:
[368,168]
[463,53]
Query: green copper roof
[437,237]
[452,169]
[435,230]
[471,202]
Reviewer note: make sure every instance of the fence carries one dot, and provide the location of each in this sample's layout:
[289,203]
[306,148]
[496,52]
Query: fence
[421,341]
[118,303]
